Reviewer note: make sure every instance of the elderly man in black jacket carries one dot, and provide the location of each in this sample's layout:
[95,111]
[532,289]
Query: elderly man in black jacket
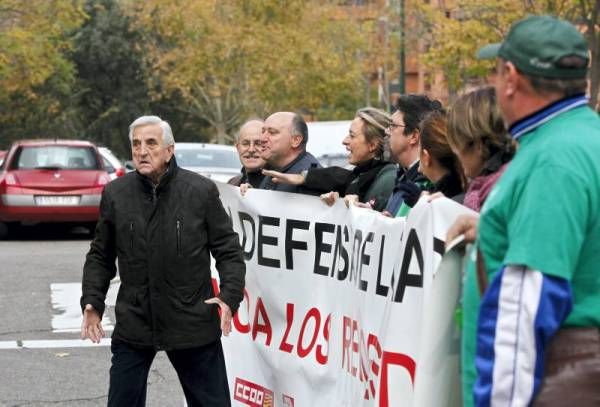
[162,223]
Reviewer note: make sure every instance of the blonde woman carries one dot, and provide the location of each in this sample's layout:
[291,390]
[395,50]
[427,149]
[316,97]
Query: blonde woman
[477,135]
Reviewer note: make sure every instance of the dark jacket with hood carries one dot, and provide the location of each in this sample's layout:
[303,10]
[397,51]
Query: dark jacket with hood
[162,237]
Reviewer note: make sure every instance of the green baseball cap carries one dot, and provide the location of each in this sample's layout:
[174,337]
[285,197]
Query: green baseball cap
[536,44]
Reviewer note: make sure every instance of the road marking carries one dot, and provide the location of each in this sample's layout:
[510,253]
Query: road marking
[66,317]
[66,311]
[53,343]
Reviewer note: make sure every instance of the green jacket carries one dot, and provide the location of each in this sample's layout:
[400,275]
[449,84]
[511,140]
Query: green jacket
[381,189]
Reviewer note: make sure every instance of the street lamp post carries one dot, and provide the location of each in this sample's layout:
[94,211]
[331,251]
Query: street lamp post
[402,82]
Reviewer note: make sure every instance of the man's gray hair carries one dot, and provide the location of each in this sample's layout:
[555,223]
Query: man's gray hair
[299,127]
[566,87]
[167,133]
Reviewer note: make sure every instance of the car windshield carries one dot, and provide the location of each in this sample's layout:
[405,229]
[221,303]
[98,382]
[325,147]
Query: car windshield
[207,158]
[56,157]
[108,166]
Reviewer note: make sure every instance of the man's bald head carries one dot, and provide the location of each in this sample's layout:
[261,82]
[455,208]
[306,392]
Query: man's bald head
[284,137]
[251,127]
[287,116]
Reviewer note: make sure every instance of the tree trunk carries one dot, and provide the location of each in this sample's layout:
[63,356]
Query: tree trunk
[595,81]
[221,133]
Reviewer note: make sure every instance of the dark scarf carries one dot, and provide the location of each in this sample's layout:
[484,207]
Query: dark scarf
[253,178]
[363,176]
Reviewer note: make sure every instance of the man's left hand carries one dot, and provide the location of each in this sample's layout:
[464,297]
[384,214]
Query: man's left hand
[226,315]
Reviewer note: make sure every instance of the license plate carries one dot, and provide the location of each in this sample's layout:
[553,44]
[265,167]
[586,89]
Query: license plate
[61,200]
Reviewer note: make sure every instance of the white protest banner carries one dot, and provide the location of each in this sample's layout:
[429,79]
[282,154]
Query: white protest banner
[333,307]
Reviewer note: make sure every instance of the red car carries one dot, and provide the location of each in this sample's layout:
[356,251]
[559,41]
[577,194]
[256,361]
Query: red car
[51,181]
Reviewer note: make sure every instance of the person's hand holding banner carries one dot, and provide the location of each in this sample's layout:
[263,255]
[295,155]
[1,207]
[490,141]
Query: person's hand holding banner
[464,225]
[329,198]
[244,188]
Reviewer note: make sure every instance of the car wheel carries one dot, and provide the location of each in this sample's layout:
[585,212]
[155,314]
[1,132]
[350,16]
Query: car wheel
[91,227]
[4,230]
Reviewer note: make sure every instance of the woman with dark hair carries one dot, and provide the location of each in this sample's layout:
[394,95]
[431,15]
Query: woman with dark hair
[437,162]
[372,178]
[479,138]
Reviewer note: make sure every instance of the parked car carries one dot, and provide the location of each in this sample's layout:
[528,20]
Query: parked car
[2,155]
[51,181]
[215,161]
[112,164]
[129,166]
[335,160]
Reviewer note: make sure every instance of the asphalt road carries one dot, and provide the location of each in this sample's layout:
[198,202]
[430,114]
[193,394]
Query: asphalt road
[36,366]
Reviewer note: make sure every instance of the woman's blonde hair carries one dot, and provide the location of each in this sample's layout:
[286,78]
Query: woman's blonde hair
[474,119]
[375,124]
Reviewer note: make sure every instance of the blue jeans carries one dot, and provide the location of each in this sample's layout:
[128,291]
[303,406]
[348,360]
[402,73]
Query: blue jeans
[201,372]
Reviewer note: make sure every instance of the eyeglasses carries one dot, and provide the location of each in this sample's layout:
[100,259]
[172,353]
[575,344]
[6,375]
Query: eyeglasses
[248,143]
[393,125]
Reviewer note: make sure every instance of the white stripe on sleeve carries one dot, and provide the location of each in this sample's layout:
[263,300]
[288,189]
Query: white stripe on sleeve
[514,343]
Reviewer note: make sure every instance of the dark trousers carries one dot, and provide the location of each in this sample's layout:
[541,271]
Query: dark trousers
[201,372]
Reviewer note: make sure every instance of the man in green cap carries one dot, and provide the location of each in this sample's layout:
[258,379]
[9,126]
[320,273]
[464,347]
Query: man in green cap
[531,305]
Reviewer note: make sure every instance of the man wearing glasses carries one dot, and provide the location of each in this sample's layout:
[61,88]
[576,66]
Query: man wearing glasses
[249,145]
[404,135]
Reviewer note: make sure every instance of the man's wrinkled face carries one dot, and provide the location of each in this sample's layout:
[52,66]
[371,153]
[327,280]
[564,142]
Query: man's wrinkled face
[276,138]
[249,146]
[150,157]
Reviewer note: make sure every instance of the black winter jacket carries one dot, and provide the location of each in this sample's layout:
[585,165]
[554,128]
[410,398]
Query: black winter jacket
[371,181]
[162,238]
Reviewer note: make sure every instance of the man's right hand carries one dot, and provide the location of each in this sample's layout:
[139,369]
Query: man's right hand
[91,327]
